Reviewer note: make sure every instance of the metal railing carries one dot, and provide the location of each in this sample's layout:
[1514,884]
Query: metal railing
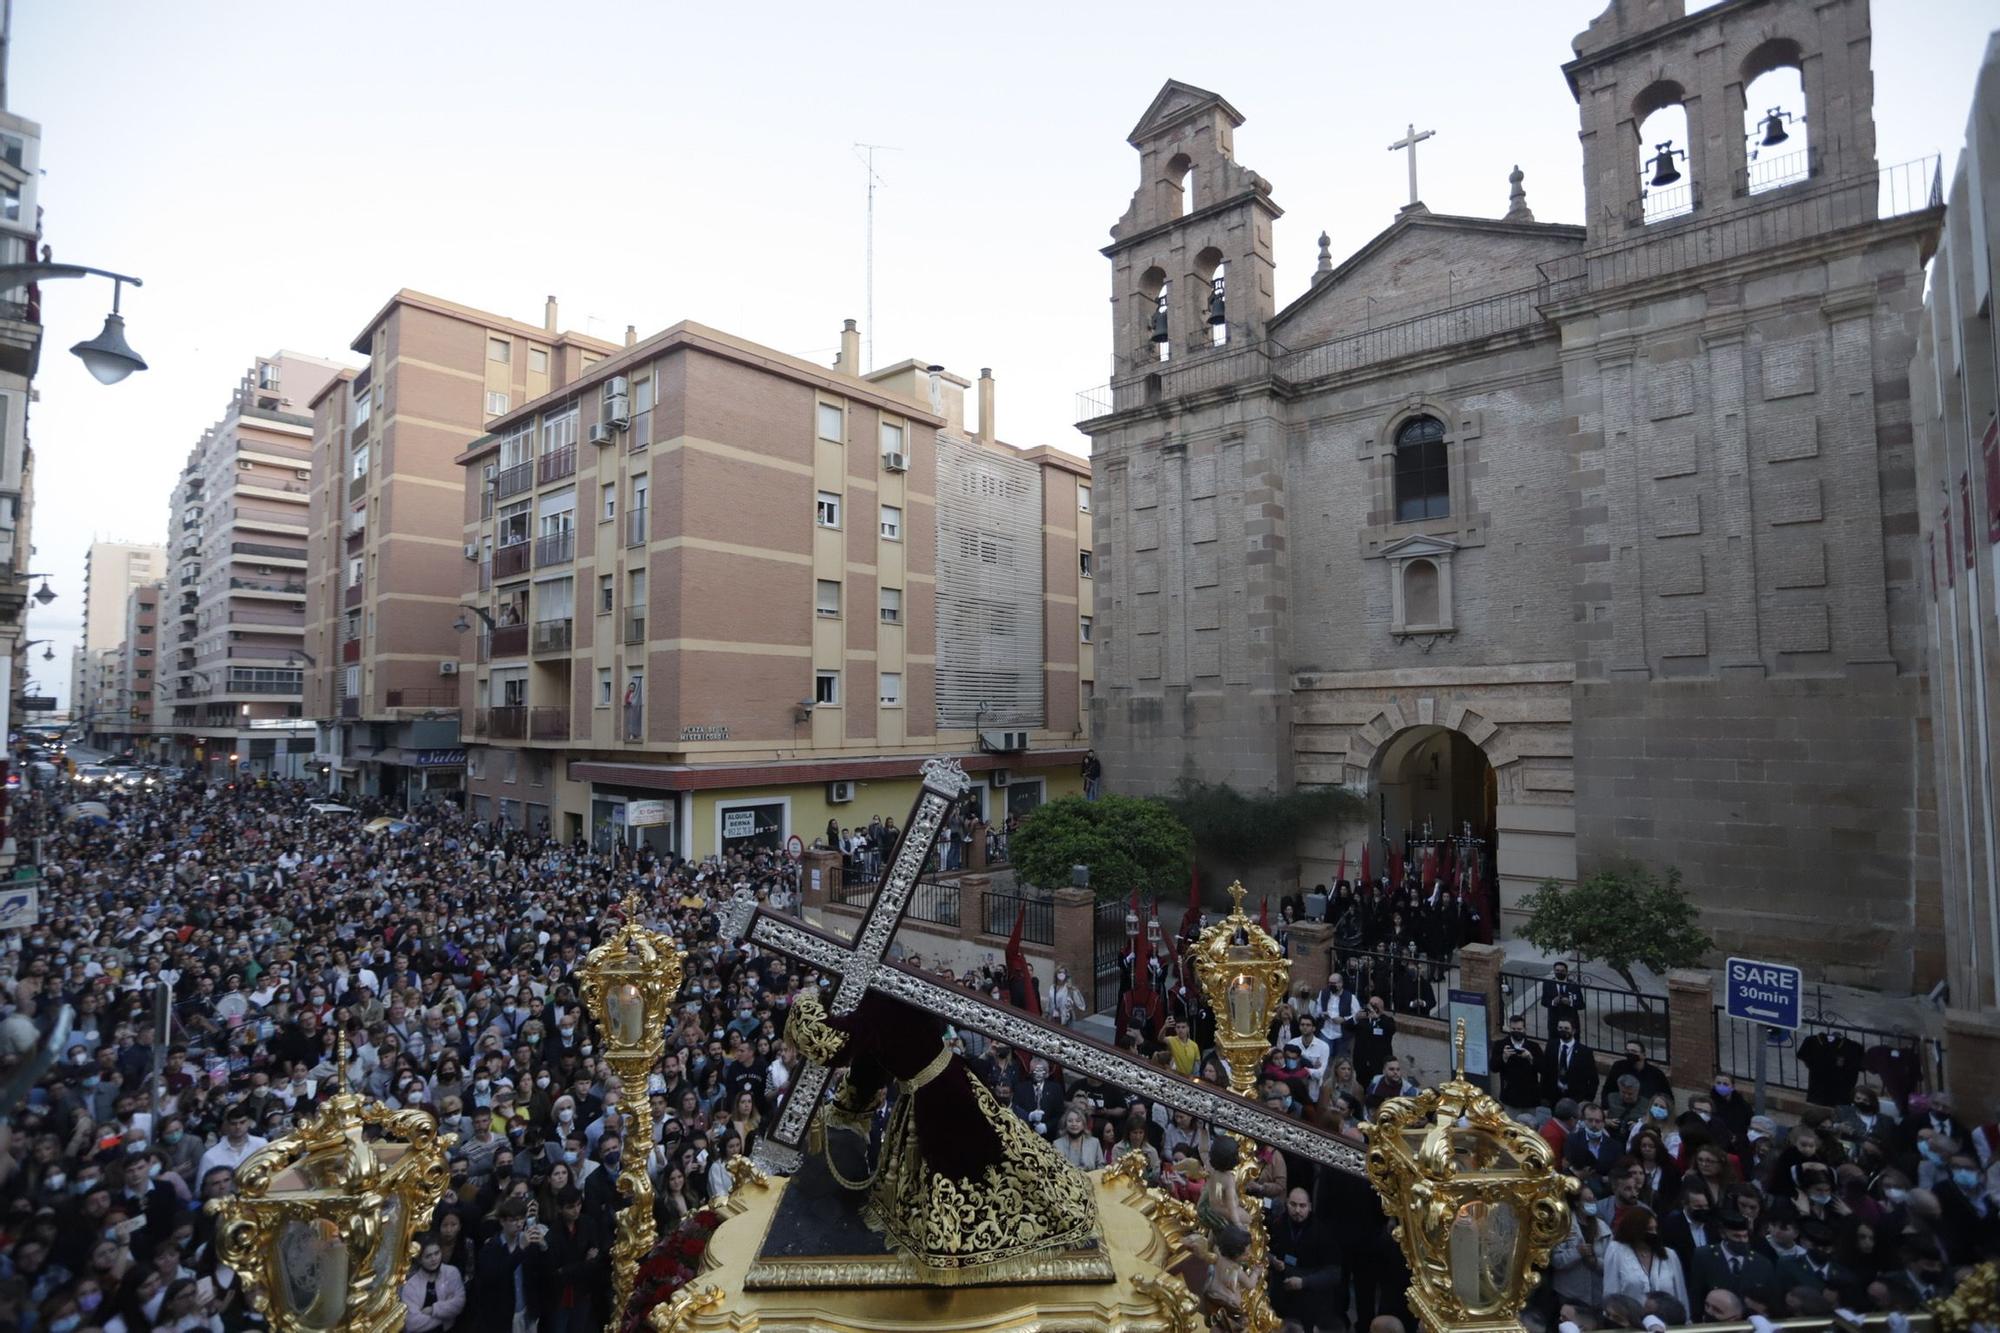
[1487,317]
[1775,172]
[552,636]
[423,696]
[555,548]
[353,595]
[509,722]
[1004,908]
[1408,983]
[257,585]
[556,464]
[357,486]
[510,641]
[236,686]
[935,899]
[635,528]
[548,724]
[1608,1017]
[1736,1041]
[274,552]
[511,559]
[513,480]
[350,707]
[350,651]
[635,627]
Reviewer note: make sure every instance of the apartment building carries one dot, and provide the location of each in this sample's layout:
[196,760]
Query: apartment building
[20,356]
[111,570]
[387,566]
[131,722]
[726,595]
[237,534]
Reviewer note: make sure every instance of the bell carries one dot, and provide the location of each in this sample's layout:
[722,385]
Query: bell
[1160,333]
[1217,310]
[1774,128]
[1664,171]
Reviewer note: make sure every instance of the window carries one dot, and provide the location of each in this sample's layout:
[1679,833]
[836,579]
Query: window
[832,422]
[892,438]
[1083,564]
[826,509]
[1423,477]
[358,463]
[363,406]
[604,687]
[354,572]
[1083,499]
[1083,629]
[559,429]
[513,526]
[514,445]
[607,593]
[826,597]
[892,606]
[892,523]
[890,689]
[496,403]
[538,361]
[499,349]
[642,412]
[826,688]
[610,494]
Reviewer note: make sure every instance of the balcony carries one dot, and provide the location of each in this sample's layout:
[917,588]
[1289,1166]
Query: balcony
[548,724]
[509,722]
[355,523]
[266,588]
[271,552]
[354,596]
[424,696]
[555,548]
[357,486]
[635,627]
[552,636]
[513,480]
[350,707]
[246,685]
[635,528]
[511,560]
[635,721]
[556,464]
[351,651]
[510,641]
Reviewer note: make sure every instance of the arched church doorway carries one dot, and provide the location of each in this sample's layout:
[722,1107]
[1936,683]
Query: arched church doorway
[1433,786]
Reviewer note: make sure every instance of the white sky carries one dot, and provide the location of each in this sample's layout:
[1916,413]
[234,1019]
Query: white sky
[275,170]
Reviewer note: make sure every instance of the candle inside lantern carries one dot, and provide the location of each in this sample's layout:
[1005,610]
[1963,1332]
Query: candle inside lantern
[627,1013]
[1246,1006]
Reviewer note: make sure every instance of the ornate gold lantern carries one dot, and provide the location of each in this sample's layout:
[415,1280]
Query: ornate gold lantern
[1474,1198]
[322,1223]
[1243,975]
[630,982]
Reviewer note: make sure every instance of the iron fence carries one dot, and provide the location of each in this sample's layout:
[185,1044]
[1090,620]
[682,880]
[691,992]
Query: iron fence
[1607,1017]
[1004,908]
[935,900]
[1107,953]
[1407,983]
[1737,1039]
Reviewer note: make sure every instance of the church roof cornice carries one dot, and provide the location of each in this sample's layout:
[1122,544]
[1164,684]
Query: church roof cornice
[1175,104]
[1588,55]
[1215,209]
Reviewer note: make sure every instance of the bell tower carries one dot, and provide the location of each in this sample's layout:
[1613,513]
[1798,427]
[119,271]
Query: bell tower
[1191,258]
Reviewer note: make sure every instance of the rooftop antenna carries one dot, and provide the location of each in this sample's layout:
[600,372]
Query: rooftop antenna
[866,153]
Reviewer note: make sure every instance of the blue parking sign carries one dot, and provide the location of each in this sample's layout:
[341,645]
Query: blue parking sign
[1765,993]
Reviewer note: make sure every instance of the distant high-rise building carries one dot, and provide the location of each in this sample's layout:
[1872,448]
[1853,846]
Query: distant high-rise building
[111,570]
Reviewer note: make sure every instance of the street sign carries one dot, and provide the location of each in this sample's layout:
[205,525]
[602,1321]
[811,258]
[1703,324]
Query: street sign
[1762,992]
[19,906]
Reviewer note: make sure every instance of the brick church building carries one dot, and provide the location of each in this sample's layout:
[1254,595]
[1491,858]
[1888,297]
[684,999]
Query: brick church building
[1597,539]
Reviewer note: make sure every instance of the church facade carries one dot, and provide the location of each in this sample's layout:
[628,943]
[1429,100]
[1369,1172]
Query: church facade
[1597,540]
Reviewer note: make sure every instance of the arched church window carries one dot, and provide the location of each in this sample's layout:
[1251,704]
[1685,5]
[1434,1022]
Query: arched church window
[1666,186]
[1777,152]
[1213,271]
[1180,180]
[1423,474]
[1420,594]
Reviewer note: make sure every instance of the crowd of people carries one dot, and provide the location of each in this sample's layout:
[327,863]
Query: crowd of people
[445,954]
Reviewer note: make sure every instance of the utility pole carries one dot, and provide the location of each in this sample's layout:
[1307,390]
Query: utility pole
[865,152]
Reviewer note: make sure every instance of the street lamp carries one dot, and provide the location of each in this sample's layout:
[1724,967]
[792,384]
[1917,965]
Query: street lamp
[462,624]
[49,653]
[44,594]
[108,357]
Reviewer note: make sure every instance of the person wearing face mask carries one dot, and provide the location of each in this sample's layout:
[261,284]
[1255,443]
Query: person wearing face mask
[1066,1003]
[1734,1265]
[1814,1268]
[1039,1098]
[1520,1063]
[1862,1115]
[1922,1278]
[1731,1108]
[1688,1230]
[1968,1220]
[1569,1067]
[1374,1040]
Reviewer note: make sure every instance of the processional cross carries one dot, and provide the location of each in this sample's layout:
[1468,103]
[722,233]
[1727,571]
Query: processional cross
[1410,141]
[863,965]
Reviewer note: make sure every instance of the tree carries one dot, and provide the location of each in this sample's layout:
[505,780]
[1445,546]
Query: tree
[1129,843]
[1622,916]
[1239,828]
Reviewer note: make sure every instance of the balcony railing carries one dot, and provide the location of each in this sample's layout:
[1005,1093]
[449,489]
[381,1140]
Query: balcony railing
[509,722]
[274,552]
[351,651]
[552,636]
[635,528]
[511,560]
[356,593]
[424,696]
[264,585]
[513,480]
[350,707]
[555,548]
[548,724]
[246,686]
[635,627]
[510,641]
[556,464]
[357,487]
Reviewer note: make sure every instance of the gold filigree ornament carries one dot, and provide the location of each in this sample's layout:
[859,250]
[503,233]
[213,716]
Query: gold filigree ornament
[322,1223]
[678,1312]
[1975,1304]
[1474,1199]
[629,983]
[1243,974]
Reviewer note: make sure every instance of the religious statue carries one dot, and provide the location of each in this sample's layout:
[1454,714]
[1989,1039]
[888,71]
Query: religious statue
[960,1180]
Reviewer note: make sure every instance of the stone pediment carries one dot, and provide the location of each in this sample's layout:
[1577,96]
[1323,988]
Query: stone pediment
[1417,544]
[1175,103]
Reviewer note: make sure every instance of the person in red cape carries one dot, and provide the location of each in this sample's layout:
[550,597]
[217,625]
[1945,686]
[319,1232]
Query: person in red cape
[960,1180]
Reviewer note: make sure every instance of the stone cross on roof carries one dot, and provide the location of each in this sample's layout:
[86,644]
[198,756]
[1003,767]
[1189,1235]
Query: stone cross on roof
[1410,141]
[862,964]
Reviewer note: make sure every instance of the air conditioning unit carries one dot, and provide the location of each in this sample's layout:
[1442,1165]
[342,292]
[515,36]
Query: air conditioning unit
[447,668]
[999,777]
[895,462]
[618,402]
[301,473]
[472,550]
[600,434]
[839,793]
[1003,742]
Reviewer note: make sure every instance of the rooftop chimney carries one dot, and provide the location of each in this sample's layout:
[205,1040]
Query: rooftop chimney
[937,389]
[850,348]
[986,404]
[549,314]
[631,334]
